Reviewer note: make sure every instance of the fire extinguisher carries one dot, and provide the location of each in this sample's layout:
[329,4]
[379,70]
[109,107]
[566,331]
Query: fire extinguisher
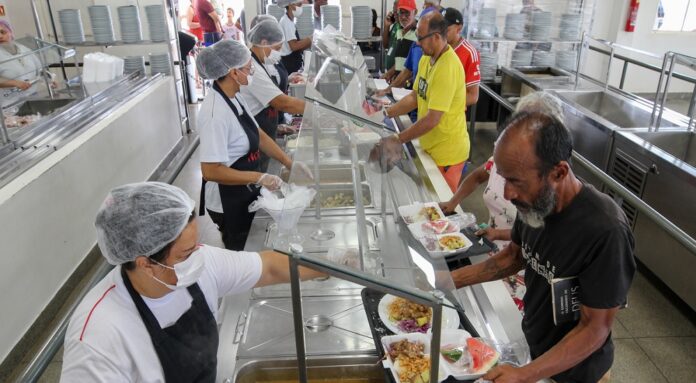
[632,15]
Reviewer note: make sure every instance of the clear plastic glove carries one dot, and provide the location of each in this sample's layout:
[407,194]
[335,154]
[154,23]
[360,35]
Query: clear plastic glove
[269,181]
[302,170]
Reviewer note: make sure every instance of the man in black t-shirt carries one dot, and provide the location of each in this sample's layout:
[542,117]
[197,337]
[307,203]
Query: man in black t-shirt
[564,229]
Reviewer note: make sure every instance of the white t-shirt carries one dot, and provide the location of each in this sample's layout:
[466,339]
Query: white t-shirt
[259,96]
[107,341]
[288,27]
[222,137]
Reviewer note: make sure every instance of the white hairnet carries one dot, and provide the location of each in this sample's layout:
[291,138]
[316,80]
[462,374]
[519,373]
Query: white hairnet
[268,31]
[259,18]
[217,60]
[141,219]
[285,3]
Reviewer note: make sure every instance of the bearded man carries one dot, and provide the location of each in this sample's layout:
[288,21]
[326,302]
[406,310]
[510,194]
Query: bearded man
[565,230]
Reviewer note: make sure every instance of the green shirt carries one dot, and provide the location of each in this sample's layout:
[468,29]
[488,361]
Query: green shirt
[391,52]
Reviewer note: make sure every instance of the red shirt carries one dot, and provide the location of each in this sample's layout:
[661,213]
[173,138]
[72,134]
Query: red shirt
[203,10]
[469,57]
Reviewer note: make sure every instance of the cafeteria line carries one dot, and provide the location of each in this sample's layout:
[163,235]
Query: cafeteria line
[514,206]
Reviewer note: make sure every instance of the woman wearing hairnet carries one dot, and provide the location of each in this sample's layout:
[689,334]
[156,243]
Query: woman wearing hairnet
[153,317]
[20,73]
[266,98]
[231,143]
[293,46]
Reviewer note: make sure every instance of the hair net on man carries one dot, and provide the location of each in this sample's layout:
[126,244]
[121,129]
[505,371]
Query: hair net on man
[141,219]
[259,18]
[218,59]
[285,3]
[266,33]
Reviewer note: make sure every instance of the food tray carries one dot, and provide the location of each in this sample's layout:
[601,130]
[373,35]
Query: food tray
[461,259]
[413,213]
[371,299]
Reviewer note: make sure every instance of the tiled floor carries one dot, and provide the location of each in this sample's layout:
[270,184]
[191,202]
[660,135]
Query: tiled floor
[655,341]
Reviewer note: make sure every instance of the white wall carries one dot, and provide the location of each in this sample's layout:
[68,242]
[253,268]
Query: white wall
[48,212]
[609,24]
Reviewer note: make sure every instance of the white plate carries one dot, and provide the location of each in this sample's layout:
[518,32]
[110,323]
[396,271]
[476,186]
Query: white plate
[414,337]
[400,93]
[412,213]
[450,318]
[456,337]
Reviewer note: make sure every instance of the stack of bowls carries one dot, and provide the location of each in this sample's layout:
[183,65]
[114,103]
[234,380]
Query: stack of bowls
[540,26]
[160,63]
[275,11]
[521,57]
[489,65]
[567,60]
[71,25]
[515,26]
[305,22]
[156,23]
[361,19]
[102,25]
[569,29]
[134,64]
[331,15]
[486,23]
[543,58]
[129,20]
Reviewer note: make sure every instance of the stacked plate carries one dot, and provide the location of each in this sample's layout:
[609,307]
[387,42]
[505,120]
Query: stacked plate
[305,22]
[361,19]
[569,29]
[540,23]
[276,11]
[543,58]
[521,57]
[133,64]
[102,26]
[489,65]
[71,25]
[129,20]
[486,23]
[514,26]
[331,15]
[567,60]
[156,23]
[160,63]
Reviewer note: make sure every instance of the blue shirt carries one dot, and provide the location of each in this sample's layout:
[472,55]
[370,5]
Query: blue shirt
[414,56]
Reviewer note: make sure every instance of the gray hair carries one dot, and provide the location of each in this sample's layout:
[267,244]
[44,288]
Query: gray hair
[543,102]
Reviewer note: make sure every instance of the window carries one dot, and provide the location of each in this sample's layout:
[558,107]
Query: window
[675,15]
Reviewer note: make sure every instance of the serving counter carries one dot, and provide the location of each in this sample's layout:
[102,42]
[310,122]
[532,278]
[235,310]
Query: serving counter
[274,333]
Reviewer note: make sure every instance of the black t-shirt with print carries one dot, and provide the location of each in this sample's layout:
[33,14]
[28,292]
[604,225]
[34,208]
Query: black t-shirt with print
[589,239]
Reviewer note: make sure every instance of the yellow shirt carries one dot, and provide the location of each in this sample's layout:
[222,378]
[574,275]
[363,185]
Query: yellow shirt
[441,87]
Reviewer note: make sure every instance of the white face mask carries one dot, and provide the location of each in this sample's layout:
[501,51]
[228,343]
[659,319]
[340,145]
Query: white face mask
[298,11]
[187,272]
[273,58]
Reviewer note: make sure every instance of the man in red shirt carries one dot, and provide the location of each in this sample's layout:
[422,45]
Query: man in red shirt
[465,51]
[209,20]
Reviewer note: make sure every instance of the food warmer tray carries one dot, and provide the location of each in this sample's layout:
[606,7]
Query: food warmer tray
[371,300]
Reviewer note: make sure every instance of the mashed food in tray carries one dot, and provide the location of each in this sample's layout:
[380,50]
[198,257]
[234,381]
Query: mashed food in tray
[411,364]
[431,213]
[452,242]
[410,316]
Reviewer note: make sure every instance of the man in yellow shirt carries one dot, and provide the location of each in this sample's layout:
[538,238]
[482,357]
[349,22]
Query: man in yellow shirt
[439,94]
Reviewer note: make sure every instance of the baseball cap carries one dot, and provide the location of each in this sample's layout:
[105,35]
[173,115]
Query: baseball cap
[453,16]
[409,5]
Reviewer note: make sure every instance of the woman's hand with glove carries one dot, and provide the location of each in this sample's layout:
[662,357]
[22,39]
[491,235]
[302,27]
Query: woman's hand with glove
[269,181]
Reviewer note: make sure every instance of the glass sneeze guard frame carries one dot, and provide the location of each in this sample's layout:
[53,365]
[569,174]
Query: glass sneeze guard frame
[338,126]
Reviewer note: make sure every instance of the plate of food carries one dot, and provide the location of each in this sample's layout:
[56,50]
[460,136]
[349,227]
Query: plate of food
[446,244]
[421,212]
[402,316]
[408,357]
[464,357]
[438,226]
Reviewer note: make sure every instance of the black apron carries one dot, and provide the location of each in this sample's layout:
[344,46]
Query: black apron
[267,118]
[187,350]
[284,84]
[237,198]
[293,62]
